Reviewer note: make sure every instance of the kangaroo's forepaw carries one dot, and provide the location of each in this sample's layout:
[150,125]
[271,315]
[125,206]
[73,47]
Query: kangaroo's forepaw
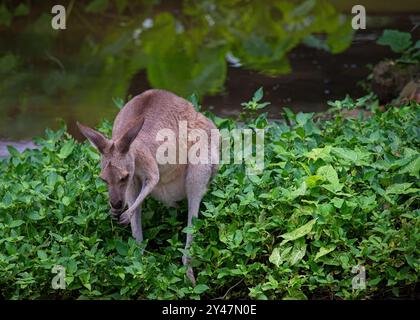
[125,218]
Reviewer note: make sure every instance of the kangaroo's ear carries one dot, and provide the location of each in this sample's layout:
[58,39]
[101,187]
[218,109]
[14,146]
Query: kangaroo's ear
[123,143]
[96,138]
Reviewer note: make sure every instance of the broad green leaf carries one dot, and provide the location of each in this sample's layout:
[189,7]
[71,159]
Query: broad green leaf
[320,153]
[298,252]
[397,40]
[122,247]
[188,230]
[299,232]
[312,181]
[303,118]
[118,102]
[52,179]
[401,188]
[35,216]
[349,156]
[16,223]
[279,255]
[341,38]
[298,192]
[337,202]
[219,193]
[13,151]
[200,288]
[413,168]
[329,173]
[258,95]
[238,237]
[324,251]
[294,294]
[66,149]
[42,255]
[66,200]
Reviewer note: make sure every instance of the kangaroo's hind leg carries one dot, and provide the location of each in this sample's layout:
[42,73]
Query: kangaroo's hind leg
[196,182]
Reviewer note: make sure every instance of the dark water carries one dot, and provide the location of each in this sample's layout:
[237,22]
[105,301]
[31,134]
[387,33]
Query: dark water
[315,76]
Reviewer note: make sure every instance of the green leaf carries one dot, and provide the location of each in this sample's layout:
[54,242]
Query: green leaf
[303,118]
[118,102]
[85,279]
[258,95]
[278,256]
[219,193]
[324,251]
[122,247]
[356,156]
[295,294]
[312,181]
[412,168]
[397,40]
[193,98]
[298,192]
[238,237]
[401,188]
[329,173]
[298,252]
[375,281]
[200,288]
[35,216]
[42,255]
[337,202]
[13,151]
[66,200]
[16,223]
[341,38]
[320,153]
[66,149]
[299,232]
[52,179]
[188,230]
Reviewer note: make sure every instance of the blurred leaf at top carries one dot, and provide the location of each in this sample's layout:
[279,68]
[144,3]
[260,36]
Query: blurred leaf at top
[183,49]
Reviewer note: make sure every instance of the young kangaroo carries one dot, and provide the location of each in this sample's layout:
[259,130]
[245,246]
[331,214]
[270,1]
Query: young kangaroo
[131,170]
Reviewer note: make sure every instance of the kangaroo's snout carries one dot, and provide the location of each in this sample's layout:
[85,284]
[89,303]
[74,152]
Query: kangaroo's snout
[117,208]
[117,205]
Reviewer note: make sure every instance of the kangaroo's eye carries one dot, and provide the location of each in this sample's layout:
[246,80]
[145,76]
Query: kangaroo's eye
[124,178]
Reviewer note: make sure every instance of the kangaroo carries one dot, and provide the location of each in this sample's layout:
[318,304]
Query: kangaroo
[131,171]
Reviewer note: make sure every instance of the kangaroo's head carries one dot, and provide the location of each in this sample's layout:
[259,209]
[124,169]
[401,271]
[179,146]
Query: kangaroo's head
[117,163]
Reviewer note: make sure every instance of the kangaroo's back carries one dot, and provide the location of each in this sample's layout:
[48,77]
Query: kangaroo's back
[159,109]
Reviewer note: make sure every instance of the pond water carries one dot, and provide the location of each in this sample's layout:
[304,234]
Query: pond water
[302,53]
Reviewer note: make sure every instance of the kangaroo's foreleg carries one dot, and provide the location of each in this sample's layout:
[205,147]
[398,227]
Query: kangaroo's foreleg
[135,222]
[147,187]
